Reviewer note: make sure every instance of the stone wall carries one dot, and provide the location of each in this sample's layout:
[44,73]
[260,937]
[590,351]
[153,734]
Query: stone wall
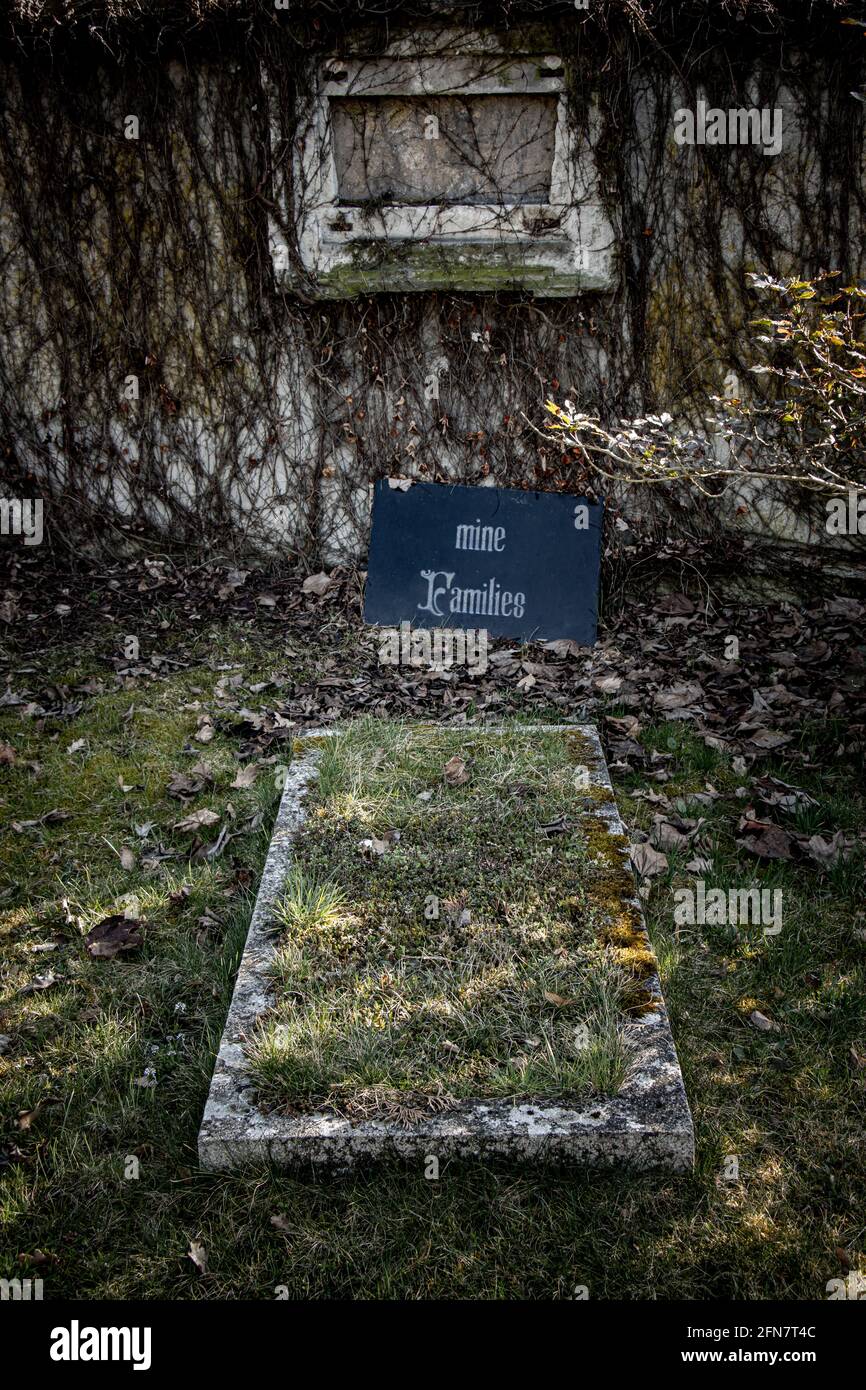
[168,359]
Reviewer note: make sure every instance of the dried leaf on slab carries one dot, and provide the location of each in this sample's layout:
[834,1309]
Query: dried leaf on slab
[373,847]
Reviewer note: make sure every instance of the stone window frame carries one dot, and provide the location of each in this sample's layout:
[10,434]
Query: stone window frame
[559,247]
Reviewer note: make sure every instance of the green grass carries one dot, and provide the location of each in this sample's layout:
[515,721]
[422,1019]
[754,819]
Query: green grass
[788,1103]
[463,960]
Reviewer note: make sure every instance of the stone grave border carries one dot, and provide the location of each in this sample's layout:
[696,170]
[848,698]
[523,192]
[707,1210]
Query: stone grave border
[646,1126]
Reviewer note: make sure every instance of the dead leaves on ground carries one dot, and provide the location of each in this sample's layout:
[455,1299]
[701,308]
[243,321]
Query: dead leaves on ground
[27,1118]
[761,837]
[767,840]
[317,584]
[564,646]
[768,740]
[456,771]
[197,819]
[49,818]
[762,1023]
[112,936]
[373,847]
[40,983]
[772,791]
[675,832]
[648,861]
[679,701]
[184,785]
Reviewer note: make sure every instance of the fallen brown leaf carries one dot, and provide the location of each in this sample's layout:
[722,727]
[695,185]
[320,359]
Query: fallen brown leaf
[317,584]
[562,646]
[828,852]
[26,1118]
[769,739]
[675,605]
[679,696]
[197,819]
[374,846]
[647,860]
[455,771]
[608,685]
[50,818]
[762,1023]
[669,833]
[765,839]
[113,935]
[183,784]
[39,983]
[560,826]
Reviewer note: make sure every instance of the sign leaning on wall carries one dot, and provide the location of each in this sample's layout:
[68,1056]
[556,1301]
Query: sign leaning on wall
[520,564]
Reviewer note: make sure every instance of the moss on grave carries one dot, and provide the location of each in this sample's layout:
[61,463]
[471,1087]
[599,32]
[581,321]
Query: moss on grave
[441,938]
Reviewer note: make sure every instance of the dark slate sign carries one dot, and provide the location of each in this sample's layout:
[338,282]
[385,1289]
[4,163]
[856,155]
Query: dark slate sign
[520,564]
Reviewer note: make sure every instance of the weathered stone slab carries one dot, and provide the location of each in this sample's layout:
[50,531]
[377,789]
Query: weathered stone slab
[647,1125]
[485,148]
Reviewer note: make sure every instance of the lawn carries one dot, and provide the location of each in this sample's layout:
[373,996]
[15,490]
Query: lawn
[105,1063]
[440,938]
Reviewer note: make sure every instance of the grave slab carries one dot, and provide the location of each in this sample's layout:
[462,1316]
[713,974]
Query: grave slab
[645,1126]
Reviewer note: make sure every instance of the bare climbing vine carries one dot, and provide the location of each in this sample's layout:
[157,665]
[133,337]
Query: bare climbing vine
[158,376]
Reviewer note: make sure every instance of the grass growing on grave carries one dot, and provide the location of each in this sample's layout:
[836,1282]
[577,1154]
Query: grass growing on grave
[439,938]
